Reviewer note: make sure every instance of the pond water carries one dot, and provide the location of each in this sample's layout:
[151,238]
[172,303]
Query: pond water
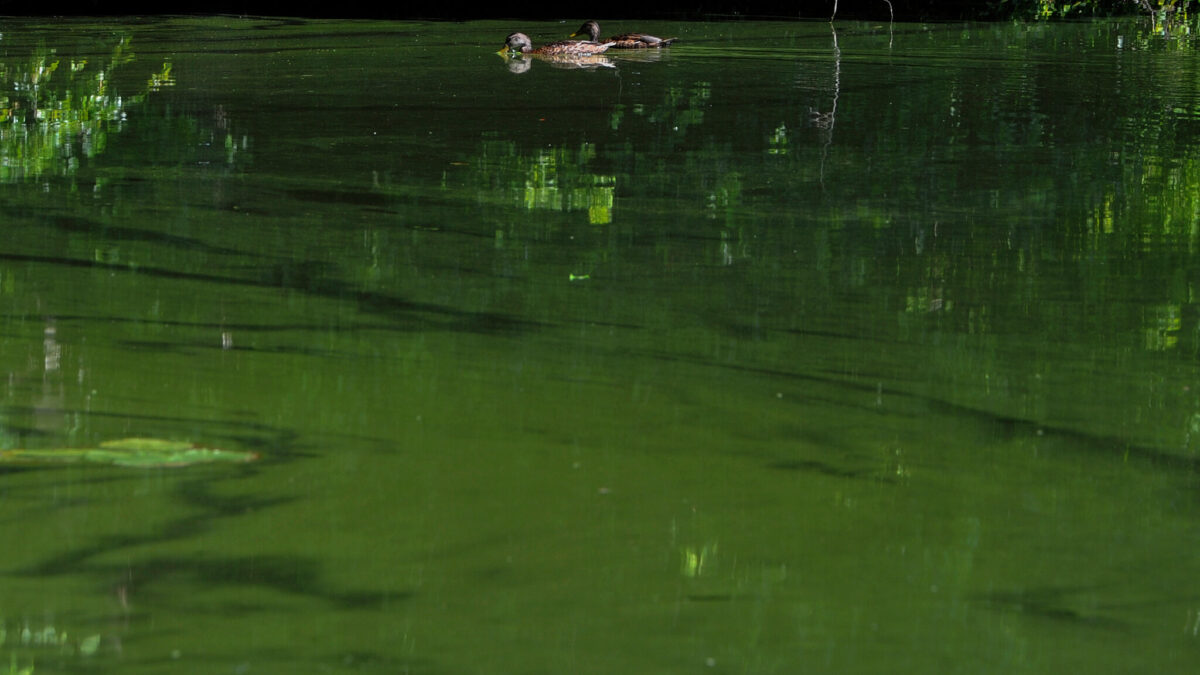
[782,350]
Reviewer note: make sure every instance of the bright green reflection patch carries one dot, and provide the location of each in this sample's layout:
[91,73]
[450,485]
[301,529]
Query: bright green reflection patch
[696,561]
[135,452]
[557,180]
[23,642]
[53,109]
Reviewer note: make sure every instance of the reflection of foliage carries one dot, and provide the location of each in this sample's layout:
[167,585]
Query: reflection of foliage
[557,179]
[725,197]
[777,142]
[696,561]
[681,108]
[1106,201]
[45,641]
[1162,327]
[57,111]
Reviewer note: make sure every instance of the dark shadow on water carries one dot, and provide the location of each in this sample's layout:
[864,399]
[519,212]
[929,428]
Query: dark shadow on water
[264,437]
[196,490]
[1004,426]
[289,574]
[203,325]
[299,276]
[121,234]
[353,197]
[827,469]
[164,347]
[1064,605]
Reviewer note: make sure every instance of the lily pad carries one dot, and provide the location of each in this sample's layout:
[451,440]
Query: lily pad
[147,453]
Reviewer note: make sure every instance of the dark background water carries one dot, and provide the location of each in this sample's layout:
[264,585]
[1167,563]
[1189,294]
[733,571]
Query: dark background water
[783,349]
[905,10]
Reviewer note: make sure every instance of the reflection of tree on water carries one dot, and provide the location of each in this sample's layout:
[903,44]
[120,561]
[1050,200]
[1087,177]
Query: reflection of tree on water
[557,179]
[584,176]
[60,108]
[563,178]
[27,639]
[826,120]
[681,108]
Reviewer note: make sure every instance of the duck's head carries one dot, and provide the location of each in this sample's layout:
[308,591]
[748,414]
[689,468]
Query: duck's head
[589,28]
[516,42]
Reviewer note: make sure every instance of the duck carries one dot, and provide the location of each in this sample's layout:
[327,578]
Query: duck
[519,42]
[624,40]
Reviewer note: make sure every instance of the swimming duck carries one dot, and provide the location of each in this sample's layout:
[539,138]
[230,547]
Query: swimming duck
[520,42]
[624,40]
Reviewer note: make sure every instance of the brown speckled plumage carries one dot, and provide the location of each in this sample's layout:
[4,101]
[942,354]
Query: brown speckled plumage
[624,40]
[519,42]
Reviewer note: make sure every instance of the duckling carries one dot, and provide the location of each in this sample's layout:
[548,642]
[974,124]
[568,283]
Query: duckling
[624,40]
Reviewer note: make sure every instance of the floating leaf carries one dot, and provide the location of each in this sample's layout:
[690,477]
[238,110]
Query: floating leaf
[131,452]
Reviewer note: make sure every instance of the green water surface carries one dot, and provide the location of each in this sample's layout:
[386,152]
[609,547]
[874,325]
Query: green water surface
[784,350]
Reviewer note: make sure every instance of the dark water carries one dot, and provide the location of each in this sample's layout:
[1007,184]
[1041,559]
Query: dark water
[780,351]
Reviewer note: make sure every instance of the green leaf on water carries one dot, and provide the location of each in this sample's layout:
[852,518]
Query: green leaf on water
[155,445]
[131,452]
